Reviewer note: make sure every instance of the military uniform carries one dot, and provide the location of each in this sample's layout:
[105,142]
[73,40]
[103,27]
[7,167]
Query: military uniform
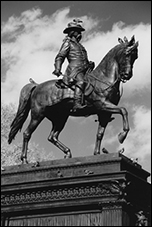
[77,58]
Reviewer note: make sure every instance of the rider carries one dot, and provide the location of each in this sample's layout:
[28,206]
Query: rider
[77,59]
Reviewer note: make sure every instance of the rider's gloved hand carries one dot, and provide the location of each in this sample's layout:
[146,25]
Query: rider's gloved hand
[57,72]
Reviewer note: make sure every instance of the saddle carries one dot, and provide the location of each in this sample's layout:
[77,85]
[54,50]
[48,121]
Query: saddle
[63,85]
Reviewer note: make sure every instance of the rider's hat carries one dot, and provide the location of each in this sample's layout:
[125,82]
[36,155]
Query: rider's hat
[74,26]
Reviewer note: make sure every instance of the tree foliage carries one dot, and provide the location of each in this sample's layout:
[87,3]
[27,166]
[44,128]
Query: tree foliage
[10,153]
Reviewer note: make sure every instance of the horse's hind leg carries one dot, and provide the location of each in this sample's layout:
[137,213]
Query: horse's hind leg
[57,127]
[35,121]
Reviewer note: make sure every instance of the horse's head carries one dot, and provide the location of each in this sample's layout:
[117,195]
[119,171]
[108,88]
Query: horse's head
[126,56]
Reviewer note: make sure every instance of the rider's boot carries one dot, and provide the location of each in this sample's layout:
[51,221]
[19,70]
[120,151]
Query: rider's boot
[78,96]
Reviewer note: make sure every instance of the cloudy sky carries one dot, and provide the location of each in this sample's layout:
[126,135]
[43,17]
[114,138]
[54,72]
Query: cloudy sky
[31,35]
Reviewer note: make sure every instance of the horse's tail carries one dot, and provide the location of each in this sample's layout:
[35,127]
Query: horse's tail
[22,112]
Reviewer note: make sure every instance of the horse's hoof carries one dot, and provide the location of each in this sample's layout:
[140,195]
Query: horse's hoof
[24,161]
[122,136]
[68,155]
[96,153]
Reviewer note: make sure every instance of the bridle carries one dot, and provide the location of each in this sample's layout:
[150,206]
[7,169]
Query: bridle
[109,85]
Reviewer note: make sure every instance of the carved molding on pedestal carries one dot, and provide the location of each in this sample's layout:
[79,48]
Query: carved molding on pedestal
[58,193]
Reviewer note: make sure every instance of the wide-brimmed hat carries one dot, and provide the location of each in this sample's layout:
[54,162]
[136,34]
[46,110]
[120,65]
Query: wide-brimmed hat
[74,26]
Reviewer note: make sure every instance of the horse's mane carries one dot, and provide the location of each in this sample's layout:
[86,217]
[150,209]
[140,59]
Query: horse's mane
[112,55]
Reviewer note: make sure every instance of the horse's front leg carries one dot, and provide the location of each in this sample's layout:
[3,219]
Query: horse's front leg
[113,109]
[99,136]
[122,135]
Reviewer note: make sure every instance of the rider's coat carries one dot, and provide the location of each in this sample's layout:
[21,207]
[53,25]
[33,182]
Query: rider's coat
[76,56]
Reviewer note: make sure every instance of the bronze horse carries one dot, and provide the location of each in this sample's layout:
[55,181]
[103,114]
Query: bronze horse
[101,95]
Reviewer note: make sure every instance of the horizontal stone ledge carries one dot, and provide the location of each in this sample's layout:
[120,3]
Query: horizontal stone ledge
[63,163]
[71,168]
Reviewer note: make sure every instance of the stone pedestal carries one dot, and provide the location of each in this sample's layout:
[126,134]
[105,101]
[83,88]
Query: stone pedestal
[103,190]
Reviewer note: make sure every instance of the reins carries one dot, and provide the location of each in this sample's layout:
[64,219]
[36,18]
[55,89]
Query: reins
[94,85]
[109,86]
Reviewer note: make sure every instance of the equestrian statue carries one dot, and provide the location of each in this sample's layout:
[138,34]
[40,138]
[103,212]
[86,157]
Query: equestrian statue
[84,90]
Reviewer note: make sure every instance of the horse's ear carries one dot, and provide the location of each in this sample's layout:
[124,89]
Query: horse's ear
[125,39]
[120,40]
[132,41]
